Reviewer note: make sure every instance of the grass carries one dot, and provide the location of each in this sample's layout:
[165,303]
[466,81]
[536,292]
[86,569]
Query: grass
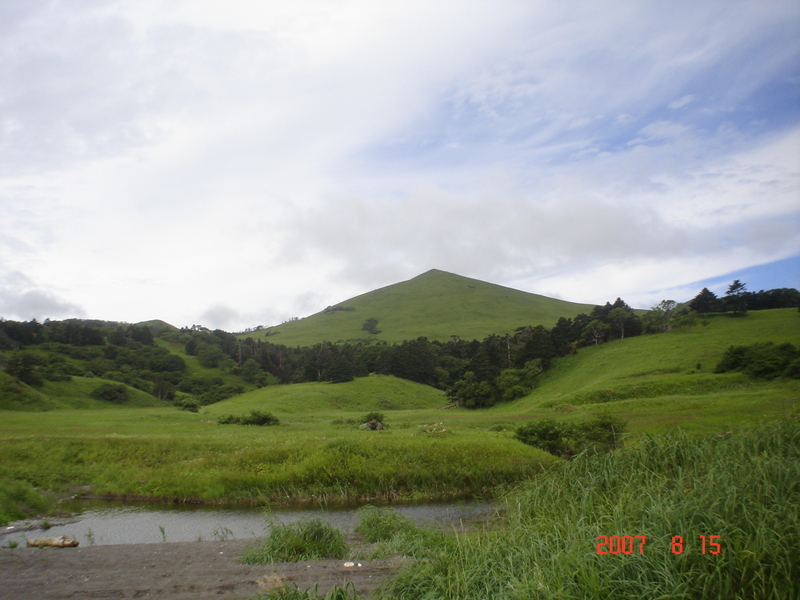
[436,305]
[174,455]
[376,392]
[347,592]
[743,488]
[308,539]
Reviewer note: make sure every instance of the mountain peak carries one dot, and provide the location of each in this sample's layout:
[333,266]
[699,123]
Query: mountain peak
[435,304]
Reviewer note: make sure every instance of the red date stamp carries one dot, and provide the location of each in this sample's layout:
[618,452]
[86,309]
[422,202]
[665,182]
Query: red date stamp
[630,544]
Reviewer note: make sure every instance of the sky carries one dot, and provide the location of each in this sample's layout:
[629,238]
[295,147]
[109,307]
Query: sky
[242,163]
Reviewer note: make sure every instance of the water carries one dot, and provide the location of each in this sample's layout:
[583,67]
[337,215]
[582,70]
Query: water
[98,522]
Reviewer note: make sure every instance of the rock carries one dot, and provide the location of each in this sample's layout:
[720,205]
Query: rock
[59,542]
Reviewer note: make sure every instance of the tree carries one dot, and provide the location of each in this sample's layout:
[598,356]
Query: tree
[470,392]
[209,355]
[619,316]
[23,366]
[705,302]
[736,298]
[251,370]
[659,318]
[596,331]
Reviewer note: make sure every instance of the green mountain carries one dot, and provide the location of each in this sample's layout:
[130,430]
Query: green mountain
[436,305]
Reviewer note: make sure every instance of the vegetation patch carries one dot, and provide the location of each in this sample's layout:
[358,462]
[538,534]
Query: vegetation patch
[255,417]
[670,490]
[564,439]
[765,360]
[19,499]
[308,539]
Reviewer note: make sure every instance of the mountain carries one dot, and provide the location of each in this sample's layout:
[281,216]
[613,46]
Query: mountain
[436,305]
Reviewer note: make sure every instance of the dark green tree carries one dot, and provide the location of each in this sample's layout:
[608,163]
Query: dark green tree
[705,302]
[736,298]
[25,367]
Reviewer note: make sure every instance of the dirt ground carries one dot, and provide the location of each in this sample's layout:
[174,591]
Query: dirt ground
[169,571]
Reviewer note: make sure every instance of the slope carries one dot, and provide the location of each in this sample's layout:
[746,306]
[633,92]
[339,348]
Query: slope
[373,393]
[436,305]
[660,381]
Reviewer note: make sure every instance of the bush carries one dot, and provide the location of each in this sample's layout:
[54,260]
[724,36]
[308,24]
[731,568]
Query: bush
[256,417]
[111,392]
[764,360]
[308,539]
[604,432]
[374,416]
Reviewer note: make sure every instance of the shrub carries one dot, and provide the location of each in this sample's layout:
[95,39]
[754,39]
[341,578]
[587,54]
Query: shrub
[546,434]
[764,360]
[256,417]
[111,392]
[308,539]
[604,432]
[374,416]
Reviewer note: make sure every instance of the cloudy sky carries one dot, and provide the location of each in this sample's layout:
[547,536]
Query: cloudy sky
[240,163]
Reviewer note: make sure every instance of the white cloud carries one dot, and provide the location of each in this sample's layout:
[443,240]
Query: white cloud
[242,166]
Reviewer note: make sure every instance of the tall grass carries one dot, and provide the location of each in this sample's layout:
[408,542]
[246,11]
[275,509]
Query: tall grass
[19,499]
[398,535]
[247,469]
[744,488]
[347,592]
[308,539]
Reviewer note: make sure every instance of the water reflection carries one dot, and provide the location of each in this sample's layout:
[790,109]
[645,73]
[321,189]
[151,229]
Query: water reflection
[98,522]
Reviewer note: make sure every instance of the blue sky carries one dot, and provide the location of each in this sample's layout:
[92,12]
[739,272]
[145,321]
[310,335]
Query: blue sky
[242,165]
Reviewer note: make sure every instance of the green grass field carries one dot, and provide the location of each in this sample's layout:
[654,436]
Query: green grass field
[436,305]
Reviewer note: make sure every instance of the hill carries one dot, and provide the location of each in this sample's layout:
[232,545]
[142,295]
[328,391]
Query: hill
[436,305]
[373,393]
[663,381]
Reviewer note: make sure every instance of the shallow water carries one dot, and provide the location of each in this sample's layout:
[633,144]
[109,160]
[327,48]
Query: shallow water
[99,522]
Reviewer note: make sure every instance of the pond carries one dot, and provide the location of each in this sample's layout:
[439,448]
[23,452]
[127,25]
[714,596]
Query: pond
[99,522]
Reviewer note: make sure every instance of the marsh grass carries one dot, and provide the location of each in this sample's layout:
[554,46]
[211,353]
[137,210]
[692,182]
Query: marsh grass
[307,539]
[19,498]
[744,488]
[327,465]
[348,592]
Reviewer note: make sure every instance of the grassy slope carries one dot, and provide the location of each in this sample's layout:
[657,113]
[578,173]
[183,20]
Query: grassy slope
[654,380]
[373,393]
[436,305]
[75,393]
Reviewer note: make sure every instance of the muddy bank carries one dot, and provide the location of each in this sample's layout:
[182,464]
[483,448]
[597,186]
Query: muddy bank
[170,571]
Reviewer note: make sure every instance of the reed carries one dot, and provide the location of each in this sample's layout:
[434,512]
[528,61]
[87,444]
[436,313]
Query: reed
[743,488]
[308,539]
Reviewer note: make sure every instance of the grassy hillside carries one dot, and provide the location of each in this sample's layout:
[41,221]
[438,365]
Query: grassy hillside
[76,393]
[436,305]
[663,381]
[373,393]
